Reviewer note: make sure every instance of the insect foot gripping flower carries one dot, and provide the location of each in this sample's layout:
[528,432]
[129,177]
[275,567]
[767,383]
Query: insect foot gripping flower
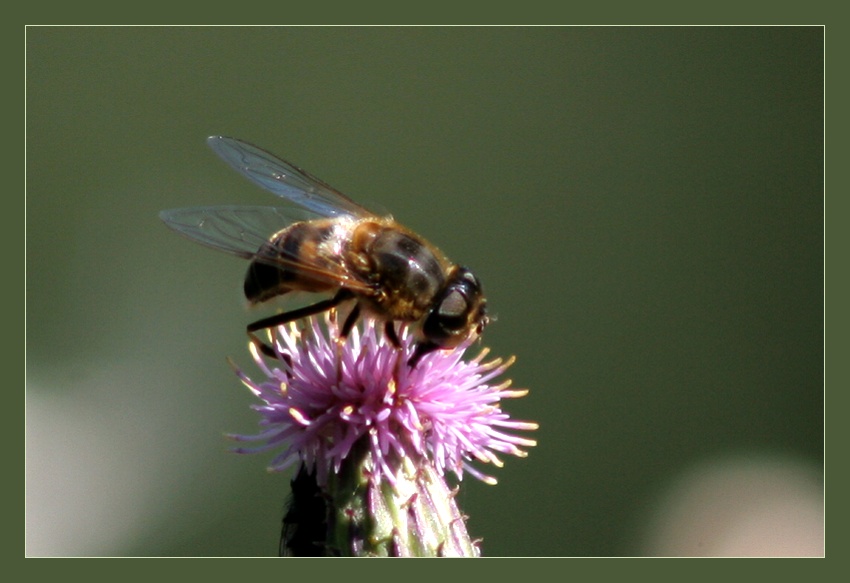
[373,438]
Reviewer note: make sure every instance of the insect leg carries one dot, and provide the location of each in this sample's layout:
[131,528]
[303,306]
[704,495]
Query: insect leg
[292,315]
[421,350]
[349,322]
[389,332]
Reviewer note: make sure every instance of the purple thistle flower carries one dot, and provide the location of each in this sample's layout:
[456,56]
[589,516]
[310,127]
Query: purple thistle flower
[328,402]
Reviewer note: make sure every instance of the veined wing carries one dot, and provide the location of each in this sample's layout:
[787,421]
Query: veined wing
[284,179]
[246,231]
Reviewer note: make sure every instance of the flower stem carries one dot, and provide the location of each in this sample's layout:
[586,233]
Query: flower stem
[363,515]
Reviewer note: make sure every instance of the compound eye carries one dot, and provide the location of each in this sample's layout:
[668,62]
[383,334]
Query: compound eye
[453,311]
[445,325]
[460,311]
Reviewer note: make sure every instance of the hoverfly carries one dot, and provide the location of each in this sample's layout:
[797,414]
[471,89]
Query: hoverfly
[324,242]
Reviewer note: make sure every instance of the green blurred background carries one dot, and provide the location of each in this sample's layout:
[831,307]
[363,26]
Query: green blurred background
[643,205]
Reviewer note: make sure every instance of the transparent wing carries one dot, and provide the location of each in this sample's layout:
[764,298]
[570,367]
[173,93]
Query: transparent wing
[246,231]
[284,179]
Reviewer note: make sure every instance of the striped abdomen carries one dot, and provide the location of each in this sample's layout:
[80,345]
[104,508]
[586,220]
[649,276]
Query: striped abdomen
[305,256]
